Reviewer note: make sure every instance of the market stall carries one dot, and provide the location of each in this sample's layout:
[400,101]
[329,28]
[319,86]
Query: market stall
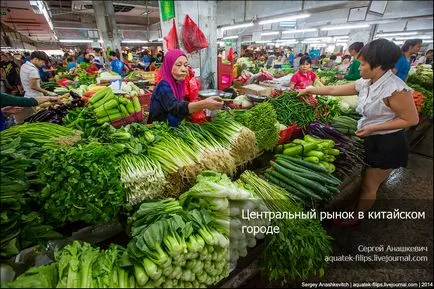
[98,161]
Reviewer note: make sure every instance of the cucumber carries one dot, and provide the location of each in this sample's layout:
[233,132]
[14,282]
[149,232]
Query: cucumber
[306,173]
[305,164]
[299,149]
[307,192]
[290,189]
[99,95]
[305,182]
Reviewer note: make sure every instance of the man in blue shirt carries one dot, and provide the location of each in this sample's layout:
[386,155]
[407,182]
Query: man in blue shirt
[116,64]
[71,64]
[146,59]
[80,58]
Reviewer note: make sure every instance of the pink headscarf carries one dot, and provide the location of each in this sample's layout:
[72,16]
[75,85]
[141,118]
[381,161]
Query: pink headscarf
[178,87]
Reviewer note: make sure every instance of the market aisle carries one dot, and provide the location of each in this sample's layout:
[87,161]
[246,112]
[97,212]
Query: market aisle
[412,186]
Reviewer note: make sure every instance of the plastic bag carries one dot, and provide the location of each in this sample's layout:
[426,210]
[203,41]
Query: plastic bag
[172,38]
[157,76]
[192,36]
[230,56]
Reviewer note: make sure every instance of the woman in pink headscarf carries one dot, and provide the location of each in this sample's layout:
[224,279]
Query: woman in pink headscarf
[167,102]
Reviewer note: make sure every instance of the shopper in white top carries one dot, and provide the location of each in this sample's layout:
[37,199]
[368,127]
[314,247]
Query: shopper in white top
[387,108]
[30,78]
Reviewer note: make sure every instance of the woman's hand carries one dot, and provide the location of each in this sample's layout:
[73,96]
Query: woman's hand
[365,131]
[213,103]
[307,90]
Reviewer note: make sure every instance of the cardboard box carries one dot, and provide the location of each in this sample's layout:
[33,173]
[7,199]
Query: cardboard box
[256,90]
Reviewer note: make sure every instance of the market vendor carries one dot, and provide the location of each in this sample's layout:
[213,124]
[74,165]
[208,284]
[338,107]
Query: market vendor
[304,77]
[402,66]
[387,108]
[353,72]
[167,101]
[11,104]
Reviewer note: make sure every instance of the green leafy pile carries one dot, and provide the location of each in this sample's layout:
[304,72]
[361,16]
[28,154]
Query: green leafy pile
[262,119]
[423,77]
[327,76]
[20,225]
[82,184]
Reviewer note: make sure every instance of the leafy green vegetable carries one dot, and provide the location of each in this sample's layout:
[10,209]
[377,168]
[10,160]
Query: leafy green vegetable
[82,184]
[36,277]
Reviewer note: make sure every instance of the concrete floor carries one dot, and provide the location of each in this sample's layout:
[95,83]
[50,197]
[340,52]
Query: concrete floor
[406,189]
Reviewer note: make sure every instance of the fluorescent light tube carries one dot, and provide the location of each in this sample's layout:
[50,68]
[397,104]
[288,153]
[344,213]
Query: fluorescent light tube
[396,34]
[237,26]
[345,27]
[418,37]
[269,33]
[341,44]
[300,30]
[398,42]
[287,18]
[318,45]
[286,40]
[231,37]
[427,41]
[76,40]
[134,41]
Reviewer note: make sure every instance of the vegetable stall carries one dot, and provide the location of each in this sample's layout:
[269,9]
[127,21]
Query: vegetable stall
[178,194]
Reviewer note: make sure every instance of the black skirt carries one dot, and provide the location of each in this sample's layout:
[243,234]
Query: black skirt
[387,151]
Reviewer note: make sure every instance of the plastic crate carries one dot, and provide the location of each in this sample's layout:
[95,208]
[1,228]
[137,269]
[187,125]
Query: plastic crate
[285,135]
[135,117]
[145,100]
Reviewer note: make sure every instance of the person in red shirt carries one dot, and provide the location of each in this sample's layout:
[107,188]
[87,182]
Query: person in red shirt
[304,77]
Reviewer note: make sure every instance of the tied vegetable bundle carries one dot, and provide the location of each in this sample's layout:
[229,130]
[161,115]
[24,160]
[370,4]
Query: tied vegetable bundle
[352,151]
[261,119]
[225,200]
[308,182]
[345,124]
[143,178]
[82,184]
[281,259]
[313,150]
[109,107]
[239,140]
[211,154]
[174,248]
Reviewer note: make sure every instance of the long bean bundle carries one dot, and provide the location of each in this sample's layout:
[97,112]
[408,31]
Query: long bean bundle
[281,257]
